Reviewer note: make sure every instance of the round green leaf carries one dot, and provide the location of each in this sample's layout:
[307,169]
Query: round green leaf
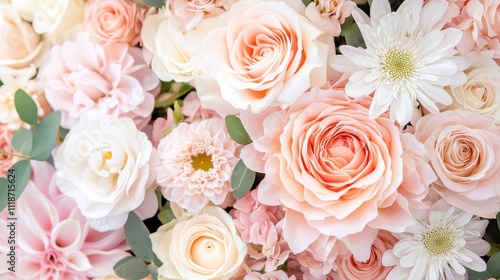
[155,3]
[494,265]
[236,130]
[242,180]
[26,108]
[22,173]
[475,275]
[131,268]
[22,141]
[3,193]
[137,235]
[45,135]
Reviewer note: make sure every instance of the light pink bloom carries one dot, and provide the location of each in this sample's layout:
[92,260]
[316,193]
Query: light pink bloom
[273,275]
[196,163]
[265,54]
[318,260]
[192,109]
[110,21]
[464,150]
[6,161]
[54,240]
[191,12]
[162,127]
[349,268]
[328,15]
[86,77]
[335,169]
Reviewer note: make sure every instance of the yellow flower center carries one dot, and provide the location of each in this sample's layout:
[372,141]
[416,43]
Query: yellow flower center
[202,161]
[438,241]
[398,64]
[108,155]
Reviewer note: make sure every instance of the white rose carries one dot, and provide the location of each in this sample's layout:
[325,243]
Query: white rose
[106,165]
[20,44]
[481,92]
[202,246]
[51,17]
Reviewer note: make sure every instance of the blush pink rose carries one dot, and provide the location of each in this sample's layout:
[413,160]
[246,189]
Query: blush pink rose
[85,77]
[349,268]
[328,15]
[110,21]
[464,150]
[54,240]
[336,170]
[265,54]
[6,161]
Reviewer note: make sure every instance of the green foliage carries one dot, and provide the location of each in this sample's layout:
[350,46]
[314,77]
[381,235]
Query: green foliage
[3,193]
[131,268]
[242,180]
[351,33]
[475,275]
[155,3]
[137,235]
[166,215]
[22,141]
[22,172]
[236,130]
[45,135]
[494,265]
[26,108]
[154,271]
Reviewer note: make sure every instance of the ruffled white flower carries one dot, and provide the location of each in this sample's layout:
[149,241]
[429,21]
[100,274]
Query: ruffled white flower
[407,58]
[442,242]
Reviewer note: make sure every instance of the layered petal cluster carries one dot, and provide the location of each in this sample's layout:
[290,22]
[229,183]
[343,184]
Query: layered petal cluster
[408,58]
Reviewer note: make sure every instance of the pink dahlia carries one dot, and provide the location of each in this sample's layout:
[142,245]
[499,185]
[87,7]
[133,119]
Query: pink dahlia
[112,79]
[196,163]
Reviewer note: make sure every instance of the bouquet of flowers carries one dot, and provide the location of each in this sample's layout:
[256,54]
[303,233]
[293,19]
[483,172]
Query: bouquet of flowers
[249,139]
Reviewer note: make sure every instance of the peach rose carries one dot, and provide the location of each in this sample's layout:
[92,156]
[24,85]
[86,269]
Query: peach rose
[481,92]
[335,169]
[202,246]
[20,44]
[464,150]
[115,20]
[265,54]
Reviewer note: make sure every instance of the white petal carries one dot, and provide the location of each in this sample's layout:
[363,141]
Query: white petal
[378,9]
[426,102]
[442,67]
[357,87]
[359,56]
[436,94]
[403,108]
[430,15]
[456,266]
[360,17]
[476,264]
[383,95]
[389,25]
[419,270]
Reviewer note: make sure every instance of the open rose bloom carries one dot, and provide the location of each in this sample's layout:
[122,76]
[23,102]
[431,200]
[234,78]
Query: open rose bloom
[250,139]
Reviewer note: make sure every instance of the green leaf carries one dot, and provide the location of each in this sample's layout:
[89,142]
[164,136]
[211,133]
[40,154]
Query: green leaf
[137,235]
[236,130]
[166,215]
[131,268]
[494,265]
[3,193]
[154,271]
[22,141]
[177,111]
[26,108]
[22,171]
[155,3]
[351,33]
[241,180]
[498,220]
[45,135]
[63,132]
[475,275]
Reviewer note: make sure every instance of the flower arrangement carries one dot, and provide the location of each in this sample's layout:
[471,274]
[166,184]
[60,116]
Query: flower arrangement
[250,139]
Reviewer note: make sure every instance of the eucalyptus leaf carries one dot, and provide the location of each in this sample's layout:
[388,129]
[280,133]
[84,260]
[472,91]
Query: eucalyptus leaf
[494,265]
[166,215]
[45,135]
[236,130]
[3,193]
[241,180]
[476,275]
[22,174]
[131,268]
[22,141]
[350,31]
[26,108]
[137,235]
[154,271]
[155,3]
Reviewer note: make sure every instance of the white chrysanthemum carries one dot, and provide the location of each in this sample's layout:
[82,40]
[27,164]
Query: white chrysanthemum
[442,242]
[196,162]
[407,58]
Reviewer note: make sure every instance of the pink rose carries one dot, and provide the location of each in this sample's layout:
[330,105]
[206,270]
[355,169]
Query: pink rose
[265,54]
[335,169]
[328,15]
[110,21]
[6,161]
[86,77]
[349,268]
[464,150]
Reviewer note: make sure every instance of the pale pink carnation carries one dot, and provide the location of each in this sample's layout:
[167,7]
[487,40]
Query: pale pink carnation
[196,163]
[110,21]
[54,240]
[86,77]
[464,150]
[335,169]
[479,21]
[191,12]
[273,275]
[349,268]
[328,15]
[6,161]
[260,226]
